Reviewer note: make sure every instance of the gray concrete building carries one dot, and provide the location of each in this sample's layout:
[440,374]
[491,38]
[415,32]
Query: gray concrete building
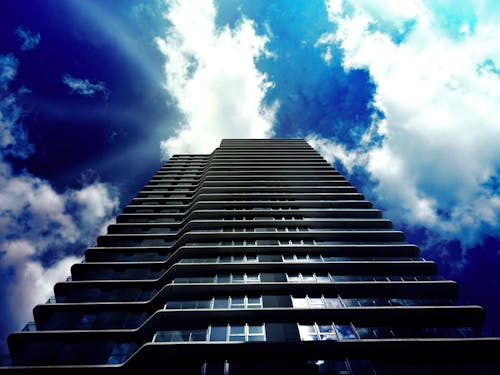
[259,258]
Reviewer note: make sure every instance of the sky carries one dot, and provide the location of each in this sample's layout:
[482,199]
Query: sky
[401,96]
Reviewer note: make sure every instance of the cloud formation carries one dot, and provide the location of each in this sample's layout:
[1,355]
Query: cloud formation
[437,164]
[8,69]
[41,230]
[13,138]
[212,77]
[29,39]
[83,86]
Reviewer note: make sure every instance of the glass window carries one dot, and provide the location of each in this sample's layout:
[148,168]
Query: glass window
[245,302]
[252,278]
[366,333]
[173,305]
[220,303]
[346,332]
[308,332]
[254,302]
[267,242]
[323,278]
[327,332]
[333,302]
[246,333]
[294,278]
[181,335]
[238,278]
[235,278]
[198,260]
[119,353]
[189,304]
[198,335]
[193,280]
[237,302]
[256,333]
[308,278]
[299,302]
[235,333]
[316,302]
[251,258]
[317,332]
[218,333]
[223,278]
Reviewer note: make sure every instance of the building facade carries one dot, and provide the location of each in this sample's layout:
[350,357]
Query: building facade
[257,258]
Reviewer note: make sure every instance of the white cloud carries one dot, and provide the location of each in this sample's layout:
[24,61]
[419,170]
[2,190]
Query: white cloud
[333,7]
[439,158]
[211,75]
[83,86]
[8,69]
[334,152]
[96,202]
[36,221]
[387,15]
[34,285]
[29,39]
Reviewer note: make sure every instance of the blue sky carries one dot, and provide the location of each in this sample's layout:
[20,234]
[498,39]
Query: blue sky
[401,96]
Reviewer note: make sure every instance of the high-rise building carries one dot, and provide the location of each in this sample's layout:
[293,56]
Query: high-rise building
[258,258]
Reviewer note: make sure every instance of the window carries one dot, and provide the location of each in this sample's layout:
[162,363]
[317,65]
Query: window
[193,304]
[245,302]
[302,258]
[339,259]
[296,242]
[317,332]
[322,332]
[238,278]
[193,280]
[238,258]
[237,333]
[219,279]
[198,260]
[308,278]
[267,242]
[235,243]
[265,229]
[316,302]
[217,333]
[367,302]
[192,335]
[346,332]
[252,278]
[119,353]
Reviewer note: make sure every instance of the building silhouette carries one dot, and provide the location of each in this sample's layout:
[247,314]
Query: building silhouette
[258,258]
